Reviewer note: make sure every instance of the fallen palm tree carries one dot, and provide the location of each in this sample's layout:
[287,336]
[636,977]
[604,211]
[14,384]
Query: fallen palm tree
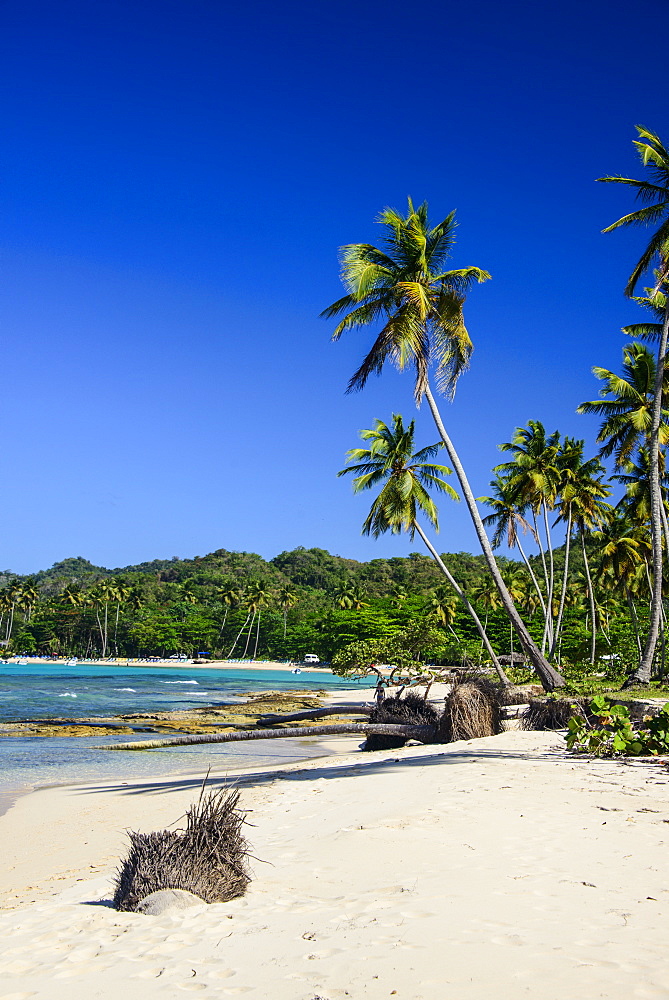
[208,858]
[315,713]
[425,734]
[411,710]
[471,710]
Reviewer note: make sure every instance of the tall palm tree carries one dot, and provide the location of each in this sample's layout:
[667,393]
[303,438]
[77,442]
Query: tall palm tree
[258,598]
[229,598]
[654,194]
[486,595]
[287,600]
[515,581]
[242,600]
[13,593]
[99,597]
[29,597]
[405,287]
[534,481]
[407,478]
[622,551]
[508,515]
[122,591]
[443,605]
[581,500]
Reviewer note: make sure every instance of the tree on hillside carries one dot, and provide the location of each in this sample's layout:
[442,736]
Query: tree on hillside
[404,286]
[654,195]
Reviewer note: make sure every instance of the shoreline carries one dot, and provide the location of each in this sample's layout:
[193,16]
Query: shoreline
[328,745]
[273,665]
[532,871]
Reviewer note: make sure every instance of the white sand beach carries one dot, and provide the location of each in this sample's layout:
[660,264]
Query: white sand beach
[498,867]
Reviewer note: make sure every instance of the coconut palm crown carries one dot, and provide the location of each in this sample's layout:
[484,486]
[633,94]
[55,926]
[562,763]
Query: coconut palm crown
[404,283]
[654,194]
[407,477]
[627,416]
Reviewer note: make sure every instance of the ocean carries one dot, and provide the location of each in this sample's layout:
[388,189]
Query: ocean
[59,691]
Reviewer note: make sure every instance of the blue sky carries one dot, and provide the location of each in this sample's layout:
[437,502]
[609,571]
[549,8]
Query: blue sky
[175,180]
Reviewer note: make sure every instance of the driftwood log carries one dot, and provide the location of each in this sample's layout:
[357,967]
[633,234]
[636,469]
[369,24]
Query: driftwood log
[315,713]
[424,734]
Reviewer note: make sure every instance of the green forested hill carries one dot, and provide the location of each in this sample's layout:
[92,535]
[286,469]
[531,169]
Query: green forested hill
[239,604]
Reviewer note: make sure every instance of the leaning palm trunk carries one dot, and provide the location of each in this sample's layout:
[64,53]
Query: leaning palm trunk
[463,597]
[550,678]
[425,734]
[100,629]
[591,597]
[551,578]
[255,648]
[544,605]
[563,592]
[643,672]
[248,636]
[225,618]
[528,566]
[238,635]
[635,622]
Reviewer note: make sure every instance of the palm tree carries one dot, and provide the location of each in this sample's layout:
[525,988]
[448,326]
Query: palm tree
[486,595]
[582,493]
[101,595]
[287,600]
[122,591]
[508,516]
[242,598]
[635,477]
[357,595]
[186,593]
[516,585]
[258,597]
[443,605]
[29,597]
[229,598]
[589,511]
[534,481]
[343,595]
[654,194]
[622,550]
[12,594]
[399,595]
[627,416]
[406,478]
[405,286]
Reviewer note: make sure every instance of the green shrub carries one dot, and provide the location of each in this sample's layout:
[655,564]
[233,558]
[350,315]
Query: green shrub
[615,735]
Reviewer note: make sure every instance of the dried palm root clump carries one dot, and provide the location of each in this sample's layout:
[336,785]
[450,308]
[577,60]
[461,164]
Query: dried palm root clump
[412,710]
[208,858]
[471,711]
[552,713]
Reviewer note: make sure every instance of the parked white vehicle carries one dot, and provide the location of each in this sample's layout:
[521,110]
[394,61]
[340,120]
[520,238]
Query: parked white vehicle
[311,658]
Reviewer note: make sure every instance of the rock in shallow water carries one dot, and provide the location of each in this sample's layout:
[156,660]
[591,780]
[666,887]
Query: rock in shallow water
[166,900]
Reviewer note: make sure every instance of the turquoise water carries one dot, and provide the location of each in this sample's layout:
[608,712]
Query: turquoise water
[58,691]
